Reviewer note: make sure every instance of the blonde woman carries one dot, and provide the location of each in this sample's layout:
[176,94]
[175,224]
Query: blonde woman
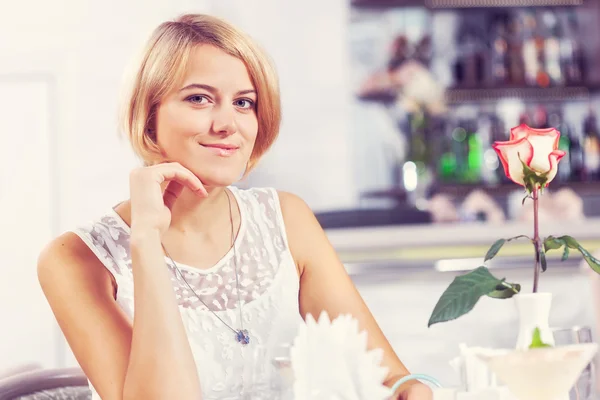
[216,269]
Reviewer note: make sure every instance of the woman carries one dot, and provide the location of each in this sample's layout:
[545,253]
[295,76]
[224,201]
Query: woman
[216,269]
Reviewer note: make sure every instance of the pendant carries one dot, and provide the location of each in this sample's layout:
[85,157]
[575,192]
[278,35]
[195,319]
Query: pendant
[242,336]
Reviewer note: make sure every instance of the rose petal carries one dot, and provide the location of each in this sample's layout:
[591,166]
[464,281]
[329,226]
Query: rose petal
[519,132]
[523,130]
[511,154]
[543,146]
[544,141]
[553,159]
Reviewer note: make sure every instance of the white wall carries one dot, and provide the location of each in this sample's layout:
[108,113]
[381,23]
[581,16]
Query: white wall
[25,135]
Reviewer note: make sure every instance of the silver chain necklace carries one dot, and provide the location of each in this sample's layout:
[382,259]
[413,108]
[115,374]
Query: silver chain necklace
[241,335]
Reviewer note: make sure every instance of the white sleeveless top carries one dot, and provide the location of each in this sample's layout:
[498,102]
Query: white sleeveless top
[268,282]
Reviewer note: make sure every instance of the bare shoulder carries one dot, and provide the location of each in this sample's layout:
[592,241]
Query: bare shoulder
[291,203]
[66,245]
[67,261]
[306,238]
[297,215]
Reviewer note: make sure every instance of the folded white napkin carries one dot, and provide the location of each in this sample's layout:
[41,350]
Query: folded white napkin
[330,361]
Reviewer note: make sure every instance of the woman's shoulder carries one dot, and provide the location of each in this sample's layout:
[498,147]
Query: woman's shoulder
[73,244]
[66,260]
[63,248]
[86,251]
[101,240]
[296,213]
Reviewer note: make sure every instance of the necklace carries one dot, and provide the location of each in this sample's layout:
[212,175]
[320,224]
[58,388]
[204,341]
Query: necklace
[241,335]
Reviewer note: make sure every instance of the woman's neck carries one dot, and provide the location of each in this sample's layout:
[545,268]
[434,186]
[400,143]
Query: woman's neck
[193,215]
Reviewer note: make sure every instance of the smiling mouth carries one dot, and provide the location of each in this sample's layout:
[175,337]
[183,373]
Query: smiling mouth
[221,149]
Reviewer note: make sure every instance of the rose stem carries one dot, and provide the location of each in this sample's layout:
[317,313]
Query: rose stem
[536,239]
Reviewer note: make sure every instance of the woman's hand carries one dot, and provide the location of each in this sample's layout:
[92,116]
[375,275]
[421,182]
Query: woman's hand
[150,206]
[417,391]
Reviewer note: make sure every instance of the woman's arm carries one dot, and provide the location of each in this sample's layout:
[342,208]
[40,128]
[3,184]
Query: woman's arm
[161,364]
[325,285]
[149,359]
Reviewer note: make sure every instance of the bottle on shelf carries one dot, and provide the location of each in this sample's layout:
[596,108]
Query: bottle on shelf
[470,65]
[474,153]
[498,133]
[557,121]
[459,148]
[516,65]
[552,48]
[591,147]
[542,78]
[530,51]
[499,49]
[572,51]
[447,163]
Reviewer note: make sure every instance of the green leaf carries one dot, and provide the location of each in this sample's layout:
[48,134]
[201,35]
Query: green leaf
[494,249]
[462,295]
[565,253]
[543,262]
[505,291]
[528,196]
[536,341]
[570,241]
[592,261]
[552,243]
[519,237]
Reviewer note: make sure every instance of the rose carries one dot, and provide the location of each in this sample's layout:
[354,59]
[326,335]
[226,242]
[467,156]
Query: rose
[531,156]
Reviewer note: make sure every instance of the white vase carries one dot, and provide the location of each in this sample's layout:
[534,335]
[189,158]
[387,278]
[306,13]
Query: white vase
[534,312]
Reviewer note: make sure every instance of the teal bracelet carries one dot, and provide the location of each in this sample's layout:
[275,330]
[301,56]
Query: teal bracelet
[420,377]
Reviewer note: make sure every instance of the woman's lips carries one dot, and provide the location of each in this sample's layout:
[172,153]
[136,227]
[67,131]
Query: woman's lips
[221,149]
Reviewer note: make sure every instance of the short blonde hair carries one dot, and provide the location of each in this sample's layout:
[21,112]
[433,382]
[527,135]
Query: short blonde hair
[164,63]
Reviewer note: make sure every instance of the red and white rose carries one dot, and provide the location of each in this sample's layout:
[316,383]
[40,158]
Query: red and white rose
[536,148]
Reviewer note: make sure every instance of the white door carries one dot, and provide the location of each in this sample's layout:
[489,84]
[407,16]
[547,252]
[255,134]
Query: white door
[27,328]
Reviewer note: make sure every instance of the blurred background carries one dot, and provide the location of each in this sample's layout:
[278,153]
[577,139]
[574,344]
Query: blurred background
[390,108]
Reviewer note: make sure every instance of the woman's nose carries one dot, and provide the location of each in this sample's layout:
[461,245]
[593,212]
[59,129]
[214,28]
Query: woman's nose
[224,121]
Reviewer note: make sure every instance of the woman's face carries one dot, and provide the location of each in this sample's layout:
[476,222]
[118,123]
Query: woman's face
[209,123]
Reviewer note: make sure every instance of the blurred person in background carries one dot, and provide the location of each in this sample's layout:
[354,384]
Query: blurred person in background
[210,270]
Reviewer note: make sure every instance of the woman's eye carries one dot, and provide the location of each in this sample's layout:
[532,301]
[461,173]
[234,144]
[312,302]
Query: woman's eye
[244,103]
[197,99]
